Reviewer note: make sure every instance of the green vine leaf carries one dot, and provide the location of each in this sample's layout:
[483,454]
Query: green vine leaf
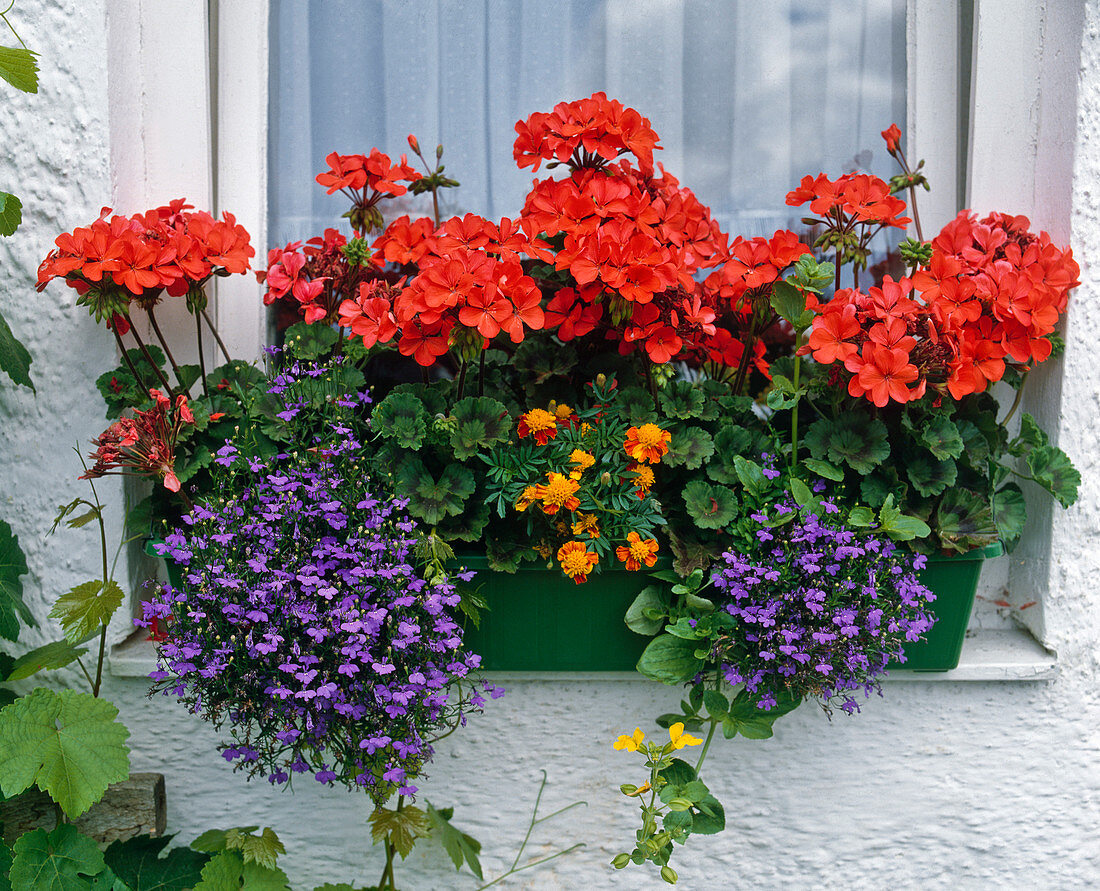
[47,657]
[19,68]
[68,743]
[402,827]
[62,860]
[12,565]
[86,608]
[263,849]
[459,846]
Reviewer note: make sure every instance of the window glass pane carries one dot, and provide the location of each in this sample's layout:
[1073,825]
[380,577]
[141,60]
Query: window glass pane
[746,96]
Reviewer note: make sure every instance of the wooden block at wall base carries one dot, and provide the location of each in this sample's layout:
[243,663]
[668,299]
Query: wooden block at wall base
[132,807]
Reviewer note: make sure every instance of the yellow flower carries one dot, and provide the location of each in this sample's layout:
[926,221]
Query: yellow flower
[643,479]
[632,743]
[576,561]
[559,491]
[637,551]
[587,524]
[582,459]
[647,443]
[679,739]
[539,423]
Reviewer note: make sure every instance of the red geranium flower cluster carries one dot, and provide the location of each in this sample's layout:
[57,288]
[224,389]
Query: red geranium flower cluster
[374,172]
[145,444]
[991,292]
[860,196]
[119,259]
[470,287]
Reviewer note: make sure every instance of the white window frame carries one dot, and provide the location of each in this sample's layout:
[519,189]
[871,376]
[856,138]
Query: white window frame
[188,115]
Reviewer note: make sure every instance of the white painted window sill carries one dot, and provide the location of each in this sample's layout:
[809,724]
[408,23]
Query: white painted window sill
[986,656]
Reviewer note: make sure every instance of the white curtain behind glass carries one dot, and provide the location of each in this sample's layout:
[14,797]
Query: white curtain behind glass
[746,96]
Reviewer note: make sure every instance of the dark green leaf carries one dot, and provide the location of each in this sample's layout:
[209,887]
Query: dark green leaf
[401,417]
[899,526]
[213,840]
[682,399]
[138,863]
[1009,514]
[876,487]
[711,507]
[709,818]
[1031,436]
[314,341]
[930,476]
[479,422]
[942,438]
[19,68]
[824,469]
[964,520]
[15,361]
[751,475]
[717,704]
[62,860]
[787,301]
[857,440]
[670,660]
[11,208]
[12,566]
[690,447]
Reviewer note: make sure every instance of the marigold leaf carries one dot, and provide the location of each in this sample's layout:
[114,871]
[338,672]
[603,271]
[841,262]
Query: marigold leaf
[61,860]
[68,743]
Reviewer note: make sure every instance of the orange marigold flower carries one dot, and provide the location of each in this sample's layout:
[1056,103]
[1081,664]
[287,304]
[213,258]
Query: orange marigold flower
[538,423]
[576,560]
[637,551]
[529,497]
[559,491]
[587,524]
[644,478]
[647,443]
[582,459]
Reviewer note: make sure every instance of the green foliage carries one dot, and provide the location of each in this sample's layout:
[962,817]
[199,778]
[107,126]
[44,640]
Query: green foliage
[930,476]
[711,507]
[47,657]
[19,68]
[15,361]
[263,849]
[964,521]
[432,499]
[12,565]
[682,399]
[690,448]
[61,860]
[460,847]
[670,660]
[942,438]
[857,440]
[1009,514]
[11,208]
[402,418]
[477,423]
[1051,468]
[746,718]
[646,613]
[86,608]
[121,390]
[229,870]
[67,743]
[310,342]
[138,863]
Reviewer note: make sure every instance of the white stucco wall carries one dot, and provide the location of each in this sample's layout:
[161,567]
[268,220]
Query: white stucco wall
[975,785]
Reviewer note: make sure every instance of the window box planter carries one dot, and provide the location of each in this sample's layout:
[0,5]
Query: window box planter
[539,620]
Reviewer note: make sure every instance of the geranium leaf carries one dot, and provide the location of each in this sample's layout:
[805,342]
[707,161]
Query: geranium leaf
[690,447]
[459,846]
[942,438]
[11,208]
[86,608]
[138,863]
[670,660]
[964,521]
[68,743]
[15,361]
[12,566]
[876,487]
[62,860]
[401,417]
[975,445]
[1031,436]
[1053,470]
[47,657]
[1010,514]
[636,405]
[711,507]
[478,423]
[682,399]
[930,476]
[310,341]
[19,68]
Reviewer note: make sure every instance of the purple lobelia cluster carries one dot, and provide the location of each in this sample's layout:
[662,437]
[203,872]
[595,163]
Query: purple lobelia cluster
[304,626]
[819,609]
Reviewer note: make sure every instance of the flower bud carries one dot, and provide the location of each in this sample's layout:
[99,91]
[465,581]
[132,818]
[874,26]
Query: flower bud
[413,144]
[669,874]
[620,860]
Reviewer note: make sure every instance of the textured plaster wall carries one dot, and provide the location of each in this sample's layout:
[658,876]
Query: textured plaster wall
[977,785]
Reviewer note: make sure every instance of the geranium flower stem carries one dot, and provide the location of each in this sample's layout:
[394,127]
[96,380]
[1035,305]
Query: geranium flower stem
[167,350]
[217,337]
[462,378]
[1015,402]
[148,358]
[794,408]
[481,375]
[126,355]
[202,358]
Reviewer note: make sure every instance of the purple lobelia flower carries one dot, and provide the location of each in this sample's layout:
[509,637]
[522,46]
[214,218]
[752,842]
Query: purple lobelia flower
[819,609]
[305,626]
